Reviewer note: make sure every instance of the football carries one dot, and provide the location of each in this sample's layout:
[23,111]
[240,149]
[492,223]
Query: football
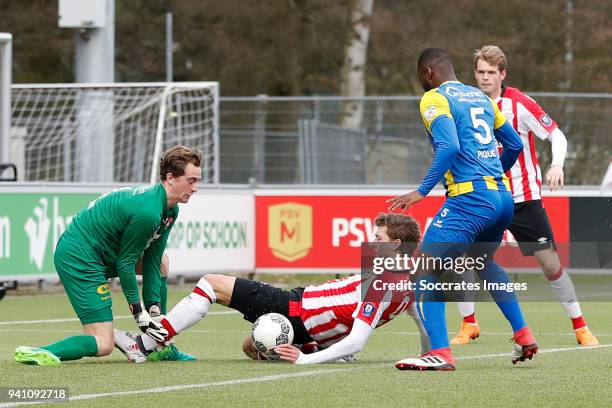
[271,330]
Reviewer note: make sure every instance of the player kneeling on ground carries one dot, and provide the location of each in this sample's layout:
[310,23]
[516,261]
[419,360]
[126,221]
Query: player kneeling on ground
[332,316]
[107,239]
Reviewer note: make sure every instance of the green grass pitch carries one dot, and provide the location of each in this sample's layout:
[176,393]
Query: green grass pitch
[561,375]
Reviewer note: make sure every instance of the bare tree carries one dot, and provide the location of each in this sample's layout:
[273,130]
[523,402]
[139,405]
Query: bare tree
[355,59]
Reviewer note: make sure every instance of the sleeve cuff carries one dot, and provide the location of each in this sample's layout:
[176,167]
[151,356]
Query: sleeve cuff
[302,359]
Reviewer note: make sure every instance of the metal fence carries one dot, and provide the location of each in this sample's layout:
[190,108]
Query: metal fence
[331,154]
[263,139]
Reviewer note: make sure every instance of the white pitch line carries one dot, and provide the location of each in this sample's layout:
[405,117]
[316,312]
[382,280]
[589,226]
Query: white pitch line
[41,331]
[173,388]
[81,330]
[545,351]
[487,333]
[280,377]
[10,297]
[246,331]
[74,319]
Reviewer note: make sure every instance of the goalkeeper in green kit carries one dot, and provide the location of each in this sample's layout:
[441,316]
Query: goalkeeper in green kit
[118,233]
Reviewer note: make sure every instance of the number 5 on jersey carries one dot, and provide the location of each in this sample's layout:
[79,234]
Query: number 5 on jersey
[481,123]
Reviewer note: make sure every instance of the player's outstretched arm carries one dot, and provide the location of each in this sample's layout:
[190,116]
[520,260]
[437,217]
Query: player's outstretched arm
[446,148]
[353,343]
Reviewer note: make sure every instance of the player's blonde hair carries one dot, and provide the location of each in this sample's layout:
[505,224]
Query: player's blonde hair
[493,55]
[175,159]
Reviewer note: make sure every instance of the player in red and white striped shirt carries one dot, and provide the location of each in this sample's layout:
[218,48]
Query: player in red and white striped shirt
[530,225]
[329,310]
[337,316]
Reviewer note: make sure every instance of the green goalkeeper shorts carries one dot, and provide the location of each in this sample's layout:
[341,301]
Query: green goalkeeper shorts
[86,287]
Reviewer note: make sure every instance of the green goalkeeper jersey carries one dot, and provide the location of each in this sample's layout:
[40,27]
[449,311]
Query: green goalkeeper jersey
[116,229]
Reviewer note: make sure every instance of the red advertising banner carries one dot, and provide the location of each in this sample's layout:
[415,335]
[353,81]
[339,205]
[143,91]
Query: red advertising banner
[312,232]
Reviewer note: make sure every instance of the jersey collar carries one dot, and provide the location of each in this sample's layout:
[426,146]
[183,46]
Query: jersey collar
[501,95]
[449,82]
[164,196]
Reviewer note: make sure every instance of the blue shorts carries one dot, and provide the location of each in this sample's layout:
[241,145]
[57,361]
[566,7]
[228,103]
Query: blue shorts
[478,217]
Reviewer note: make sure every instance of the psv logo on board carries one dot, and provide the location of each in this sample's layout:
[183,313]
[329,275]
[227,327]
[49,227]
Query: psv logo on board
[290,230]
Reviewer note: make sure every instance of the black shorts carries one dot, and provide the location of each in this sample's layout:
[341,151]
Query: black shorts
[254,299]
[531,227]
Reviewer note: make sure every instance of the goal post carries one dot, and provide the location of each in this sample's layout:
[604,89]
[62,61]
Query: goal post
[6,44]
[112,132]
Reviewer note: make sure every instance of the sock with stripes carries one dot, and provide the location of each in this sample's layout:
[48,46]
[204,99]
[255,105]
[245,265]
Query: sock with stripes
[190,310]
[470,319]
[466,310]
[564,290]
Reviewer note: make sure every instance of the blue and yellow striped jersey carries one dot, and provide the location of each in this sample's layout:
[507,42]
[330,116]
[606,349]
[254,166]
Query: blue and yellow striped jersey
[477,165]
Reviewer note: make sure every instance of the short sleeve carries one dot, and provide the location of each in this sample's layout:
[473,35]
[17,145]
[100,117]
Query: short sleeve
[433,105]
[534,118]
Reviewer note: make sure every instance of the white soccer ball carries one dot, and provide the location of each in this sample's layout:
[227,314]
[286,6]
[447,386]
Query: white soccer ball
[269,331]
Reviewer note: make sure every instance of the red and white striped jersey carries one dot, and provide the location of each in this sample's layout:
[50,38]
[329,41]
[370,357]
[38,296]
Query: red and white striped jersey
[528,119]
[329,310]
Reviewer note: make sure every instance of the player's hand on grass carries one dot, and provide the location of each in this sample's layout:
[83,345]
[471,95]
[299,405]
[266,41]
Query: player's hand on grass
[146,324]
[288,352]
[554,177]
[404,202]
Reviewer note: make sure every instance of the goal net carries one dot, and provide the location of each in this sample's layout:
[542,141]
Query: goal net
[111,132]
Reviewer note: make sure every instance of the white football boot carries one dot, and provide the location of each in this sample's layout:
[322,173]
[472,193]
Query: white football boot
[426,362]
[127,343]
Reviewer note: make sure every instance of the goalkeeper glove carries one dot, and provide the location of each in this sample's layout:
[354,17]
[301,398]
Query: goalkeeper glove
[155,312]
[158,316]
[146,324]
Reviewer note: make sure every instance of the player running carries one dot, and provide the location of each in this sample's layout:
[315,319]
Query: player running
[335,315]
[106,240]
[461,121]
[530,225]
